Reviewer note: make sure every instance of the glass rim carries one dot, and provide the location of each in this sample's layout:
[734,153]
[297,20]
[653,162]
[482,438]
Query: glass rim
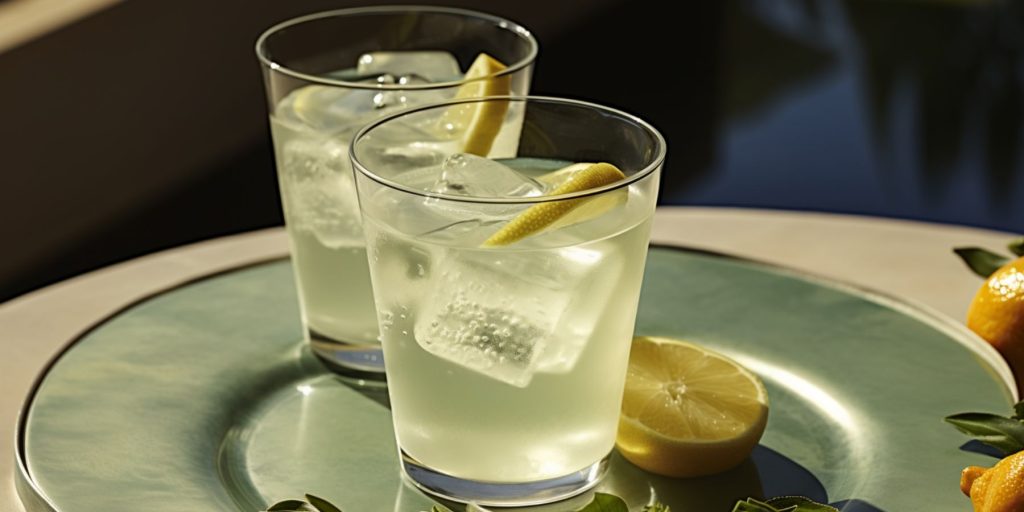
[655,163]
[273,65]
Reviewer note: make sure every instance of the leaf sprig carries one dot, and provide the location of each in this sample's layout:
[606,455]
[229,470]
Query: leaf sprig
[1004,433]
[312,503]
[985,262]
[604,502]
[783,504]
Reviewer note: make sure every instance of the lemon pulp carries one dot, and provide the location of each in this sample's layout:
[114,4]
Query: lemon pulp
[688,411]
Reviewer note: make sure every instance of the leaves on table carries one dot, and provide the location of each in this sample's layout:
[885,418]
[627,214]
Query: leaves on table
[782,504]
[604,502]
[800,504]
[1005,434]
[289,506]
[981,261]
[1017,247]
[753,505]
[312,504]
[321,504]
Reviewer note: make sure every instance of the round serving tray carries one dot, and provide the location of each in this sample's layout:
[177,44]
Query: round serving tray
[204,398]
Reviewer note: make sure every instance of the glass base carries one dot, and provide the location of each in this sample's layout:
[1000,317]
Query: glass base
[502,494]
[359,361]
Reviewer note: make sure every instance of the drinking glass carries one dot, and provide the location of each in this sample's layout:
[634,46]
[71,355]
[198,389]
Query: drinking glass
[506,289]
[326,76]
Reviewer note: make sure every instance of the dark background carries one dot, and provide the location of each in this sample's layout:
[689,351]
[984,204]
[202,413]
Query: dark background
[143,126]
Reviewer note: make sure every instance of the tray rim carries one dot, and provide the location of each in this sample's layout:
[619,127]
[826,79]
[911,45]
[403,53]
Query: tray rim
[31,495]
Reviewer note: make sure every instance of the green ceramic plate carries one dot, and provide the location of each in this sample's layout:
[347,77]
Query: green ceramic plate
[201,398]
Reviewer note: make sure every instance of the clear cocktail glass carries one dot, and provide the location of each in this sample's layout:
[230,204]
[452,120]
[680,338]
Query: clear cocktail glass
[507,287]
[326,76]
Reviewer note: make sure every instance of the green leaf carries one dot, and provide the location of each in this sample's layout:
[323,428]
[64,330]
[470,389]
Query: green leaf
[800,504]
[1017,247]
[983,262]
[288,506]
[321,504]
[783,504]
[1018,410]
[752,505]
[605,503]
[656,507]
[1001,433]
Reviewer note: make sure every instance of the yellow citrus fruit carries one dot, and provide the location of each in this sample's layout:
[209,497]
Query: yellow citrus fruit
[997,315]
[543,215]
[688,411]
[996,489]
[478,123]
[589,209]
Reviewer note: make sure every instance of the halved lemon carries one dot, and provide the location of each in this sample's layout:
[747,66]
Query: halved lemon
[688,411]
[544,215]
[478,123]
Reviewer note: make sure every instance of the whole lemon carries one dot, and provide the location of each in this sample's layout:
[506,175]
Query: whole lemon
[996,489]
[997,315]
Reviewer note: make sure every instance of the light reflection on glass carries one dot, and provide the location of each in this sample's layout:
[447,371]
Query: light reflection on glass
[578,254]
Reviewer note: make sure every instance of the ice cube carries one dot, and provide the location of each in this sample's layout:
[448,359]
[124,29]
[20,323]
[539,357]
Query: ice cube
[471,175]
[319,192]
[439,220]
[399,146]
[337,109]
[329,109]
[452,220]
[511,315]
[429,66]
[385,100]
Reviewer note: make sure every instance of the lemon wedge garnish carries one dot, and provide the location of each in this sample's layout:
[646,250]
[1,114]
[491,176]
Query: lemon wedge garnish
[544,215]
[478,123]
[688,411]
[589,209]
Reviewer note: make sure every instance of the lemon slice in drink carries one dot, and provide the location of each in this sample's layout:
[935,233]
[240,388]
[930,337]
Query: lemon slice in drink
[688,411]
[592,207]
[478,123]
[544,215]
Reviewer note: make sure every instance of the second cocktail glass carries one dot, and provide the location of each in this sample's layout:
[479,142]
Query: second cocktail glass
[507,288]
[326,76]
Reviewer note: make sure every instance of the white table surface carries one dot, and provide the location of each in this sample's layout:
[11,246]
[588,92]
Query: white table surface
[909,260]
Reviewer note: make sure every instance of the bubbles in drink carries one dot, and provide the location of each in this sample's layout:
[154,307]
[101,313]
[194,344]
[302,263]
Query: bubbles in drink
[510,315]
